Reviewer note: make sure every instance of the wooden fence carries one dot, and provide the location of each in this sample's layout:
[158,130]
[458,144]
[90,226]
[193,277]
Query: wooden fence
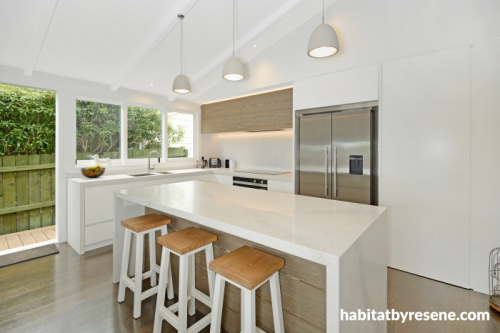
[27,192]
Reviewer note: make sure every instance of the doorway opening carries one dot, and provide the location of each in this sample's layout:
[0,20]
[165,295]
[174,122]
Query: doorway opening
[27,168]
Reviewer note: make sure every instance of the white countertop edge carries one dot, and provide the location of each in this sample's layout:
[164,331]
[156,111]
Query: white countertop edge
[280,245]
[120,178]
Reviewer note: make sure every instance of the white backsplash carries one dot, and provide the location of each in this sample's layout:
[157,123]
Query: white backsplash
[263,150]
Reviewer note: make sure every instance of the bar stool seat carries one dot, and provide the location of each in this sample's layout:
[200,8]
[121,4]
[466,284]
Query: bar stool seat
[145,222]
[187,240]
[139,226]
[248,269]
[185,243]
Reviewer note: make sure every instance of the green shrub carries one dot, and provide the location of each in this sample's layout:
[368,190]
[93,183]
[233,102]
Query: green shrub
[27,121]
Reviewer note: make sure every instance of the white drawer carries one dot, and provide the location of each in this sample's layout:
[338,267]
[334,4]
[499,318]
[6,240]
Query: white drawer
[99,232]
[99,203]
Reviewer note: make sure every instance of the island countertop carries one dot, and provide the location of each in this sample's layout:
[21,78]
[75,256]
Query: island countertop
[348,239]
[311,228]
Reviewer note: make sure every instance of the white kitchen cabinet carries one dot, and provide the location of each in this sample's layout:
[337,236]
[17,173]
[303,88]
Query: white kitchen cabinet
[99,203]
[485,158]
[280,186]
[90,209]
[223,179]
[345,87]
[425,176]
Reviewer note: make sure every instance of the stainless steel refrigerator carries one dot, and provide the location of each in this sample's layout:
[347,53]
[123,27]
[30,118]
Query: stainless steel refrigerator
[338,153]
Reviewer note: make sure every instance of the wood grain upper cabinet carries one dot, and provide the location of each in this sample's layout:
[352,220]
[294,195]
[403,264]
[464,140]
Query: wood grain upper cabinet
[269,111]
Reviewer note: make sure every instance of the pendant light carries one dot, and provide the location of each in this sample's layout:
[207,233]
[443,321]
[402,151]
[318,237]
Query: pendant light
[233,68]
[323,42]
[181,83]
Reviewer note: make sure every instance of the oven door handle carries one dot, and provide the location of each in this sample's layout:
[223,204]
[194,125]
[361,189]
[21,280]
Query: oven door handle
[249,184]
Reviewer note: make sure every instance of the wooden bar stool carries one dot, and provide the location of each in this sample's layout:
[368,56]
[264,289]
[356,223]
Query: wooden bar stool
[184,243]
[139,226]
[247,269]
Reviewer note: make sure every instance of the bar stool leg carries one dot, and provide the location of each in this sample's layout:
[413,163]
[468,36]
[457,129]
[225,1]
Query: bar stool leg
[209,256]
[124,267]
[170,294]
[152,257]
[242,310]
[276,303]
[218,301]
[160,300]
[138,275]
[191,286]
[183,292]
[249,311]
[170,283]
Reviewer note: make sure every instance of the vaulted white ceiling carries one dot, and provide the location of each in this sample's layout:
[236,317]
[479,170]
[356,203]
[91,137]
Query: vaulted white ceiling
[135,43]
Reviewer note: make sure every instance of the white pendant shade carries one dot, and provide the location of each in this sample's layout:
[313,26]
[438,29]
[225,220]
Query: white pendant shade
[233,70]
[323,42]
[181,85]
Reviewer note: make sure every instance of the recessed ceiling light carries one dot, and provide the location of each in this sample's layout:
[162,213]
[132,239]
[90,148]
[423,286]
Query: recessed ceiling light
[254,45]
[151,84]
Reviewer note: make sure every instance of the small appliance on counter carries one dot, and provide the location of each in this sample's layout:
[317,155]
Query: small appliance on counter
[201,164]
[230,164]
[214,162]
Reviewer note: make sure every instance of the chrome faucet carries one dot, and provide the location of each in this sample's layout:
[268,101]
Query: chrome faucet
[149,160]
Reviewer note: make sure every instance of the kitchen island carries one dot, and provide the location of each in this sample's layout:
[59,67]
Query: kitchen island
[340,243]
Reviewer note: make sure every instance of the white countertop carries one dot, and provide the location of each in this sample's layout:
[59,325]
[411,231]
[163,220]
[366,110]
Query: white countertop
[113,179]
[311,228]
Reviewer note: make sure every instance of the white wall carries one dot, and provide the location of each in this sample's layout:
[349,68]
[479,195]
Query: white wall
[370,32]
[425,178]
[485,158]
[67,91]
[256,150]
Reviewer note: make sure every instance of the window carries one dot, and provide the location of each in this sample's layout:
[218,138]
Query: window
[180,135]
[97,130]
[144,132]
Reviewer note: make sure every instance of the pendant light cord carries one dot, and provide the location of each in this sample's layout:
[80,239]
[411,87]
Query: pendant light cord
[323,16]
[182,44]
[234,26]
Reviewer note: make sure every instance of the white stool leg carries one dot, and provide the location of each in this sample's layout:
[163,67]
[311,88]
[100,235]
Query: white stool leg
[138,275]
[249,314]
[218,301]
[276,303]
[191,286]
[209,256]
[242,310]
[160,298]
[124,267]
[170,295]
[152,256]
[183,291]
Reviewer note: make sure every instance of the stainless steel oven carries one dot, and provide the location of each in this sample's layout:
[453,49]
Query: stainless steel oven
[258,184]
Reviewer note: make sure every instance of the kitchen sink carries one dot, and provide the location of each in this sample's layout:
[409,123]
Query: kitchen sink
[142,174]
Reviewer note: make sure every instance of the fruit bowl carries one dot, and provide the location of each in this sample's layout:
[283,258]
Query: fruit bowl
[93,171]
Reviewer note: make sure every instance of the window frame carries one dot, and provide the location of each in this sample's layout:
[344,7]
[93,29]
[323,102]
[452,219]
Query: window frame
[85,163]
[195,136]
[124,160]
[124,133]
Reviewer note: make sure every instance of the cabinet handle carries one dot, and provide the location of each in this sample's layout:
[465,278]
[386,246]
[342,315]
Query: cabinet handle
[334,171]
[326,170]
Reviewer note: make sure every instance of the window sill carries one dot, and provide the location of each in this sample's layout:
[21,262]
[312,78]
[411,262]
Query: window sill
[117,165]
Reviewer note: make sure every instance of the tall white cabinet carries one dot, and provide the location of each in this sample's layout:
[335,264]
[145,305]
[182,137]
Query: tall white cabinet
[485,64]
[425,176]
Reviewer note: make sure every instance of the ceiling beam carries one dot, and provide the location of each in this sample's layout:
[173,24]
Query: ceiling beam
[44,19]
[152,43]
[245,41]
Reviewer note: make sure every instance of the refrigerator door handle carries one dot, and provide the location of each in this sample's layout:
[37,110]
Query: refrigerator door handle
[335,171]
[326,170]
